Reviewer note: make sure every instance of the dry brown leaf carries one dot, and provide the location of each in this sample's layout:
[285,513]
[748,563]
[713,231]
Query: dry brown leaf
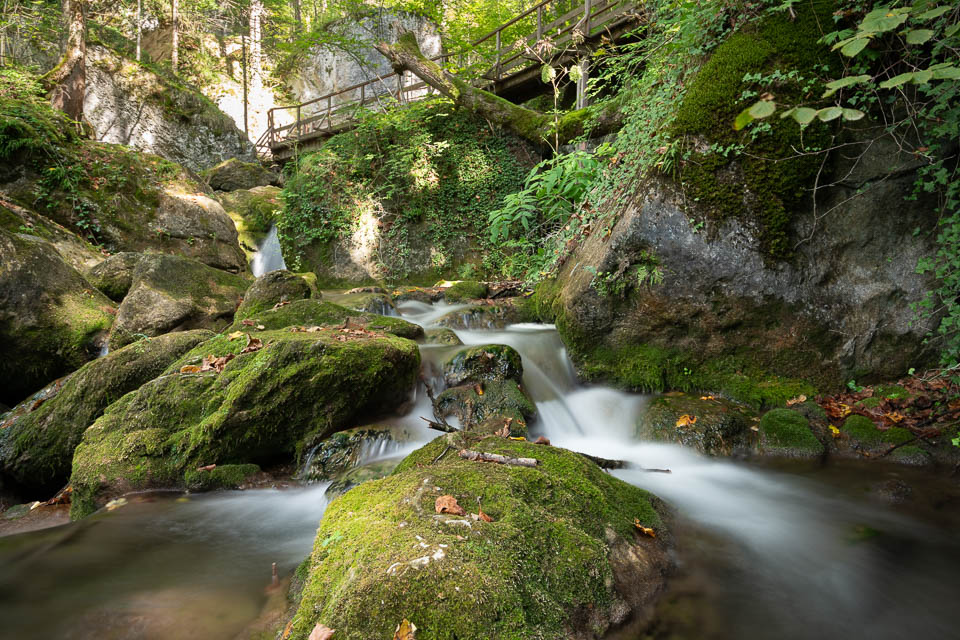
[518,438]
[647,531]
[213,363]
[248,323]
[287,630]
[448,504]
[406,630]
[799,399]
[209,467]
[686,419]
[478,388]
[321,632]
[481,515]
[190,368]
[253,344]
[542,440]
[282,303]
[235,335]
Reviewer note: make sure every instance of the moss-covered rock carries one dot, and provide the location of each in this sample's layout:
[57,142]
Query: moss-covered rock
[863,438]
[233,174]
[253,212]
[784,432]
[495,316]
[222,476]
[309,313]
[298,388]
[38,438]
[114,276]
[465,290]
[366,301]
[487,407]
[427,295]
[271,289]
[52,320]
[489,362]
[171,293]
[74,250]
[712,426]
[442,336]
[561,557]
[335,456]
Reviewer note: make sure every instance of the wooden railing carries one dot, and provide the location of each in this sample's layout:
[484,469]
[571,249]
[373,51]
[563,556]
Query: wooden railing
[507,51]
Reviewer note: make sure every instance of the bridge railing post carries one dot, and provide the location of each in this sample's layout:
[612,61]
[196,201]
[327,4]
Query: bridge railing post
[587,6]
[497,74]
[539,23]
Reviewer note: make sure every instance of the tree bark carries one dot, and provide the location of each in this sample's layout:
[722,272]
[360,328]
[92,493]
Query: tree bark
[531,125]
[175,52]
[256,63]
[297,17]
[139,26]
[67,82]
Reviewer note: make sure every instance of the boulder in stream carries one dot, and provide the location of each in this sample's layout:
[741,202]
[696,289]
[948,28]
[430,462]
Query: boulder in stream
[560,557]
[311,313]
[218,405]
[52,320]
[234,174]
[38,437]
[711,425]
[271,289]
[171,293]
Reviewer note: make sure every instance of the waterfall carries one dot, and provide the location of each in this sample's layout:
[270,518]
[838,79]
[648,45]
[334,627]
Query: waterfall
[268,256]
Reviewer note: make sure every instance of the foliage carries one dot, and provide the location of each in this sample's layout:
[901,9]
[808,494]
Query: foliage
[646,271]
[425,166]
[29,126]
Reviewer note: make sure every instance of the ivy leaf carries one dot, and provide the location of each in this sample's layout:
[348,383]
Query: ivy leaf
[919,36]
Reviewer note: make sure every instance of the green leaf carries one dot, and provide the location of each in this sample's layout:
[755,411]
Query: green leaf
[834,85]
[742,120]
[852,114]
[922,77]
[896,81]
[830,113]
[919,36]
[854,46]
[804,115]
[763,109]
[946,73]
[951,30]
[933,13]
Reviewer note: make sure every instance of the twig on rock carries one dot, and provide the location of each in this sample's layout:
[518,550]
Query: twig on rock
[480,456]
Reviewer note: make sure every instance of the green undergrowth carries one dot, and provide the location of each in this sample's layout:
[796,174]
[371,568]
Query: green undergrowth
[540,568]
[426,169]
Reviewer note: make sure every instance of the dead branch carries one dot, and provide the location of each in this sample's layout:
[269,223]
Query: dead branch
[480,456]
[439,426]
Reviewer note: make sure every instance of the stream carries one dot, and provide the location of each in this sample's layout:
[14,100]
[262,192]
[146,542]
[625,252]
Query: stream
[766,550]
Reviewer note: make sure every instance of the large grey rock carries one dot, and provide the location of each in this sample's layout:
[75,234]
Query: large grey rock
[52,320]
[127,103]
[172,293]
[271,289]
[234,174]
[330,68]
[839,308]
[199,228]
[114,275]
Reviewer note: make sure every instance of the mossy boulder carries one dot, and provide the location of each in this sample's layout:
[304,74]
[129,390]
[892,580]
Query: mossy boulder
[114,276]
[260,408]
[489,362]
[199,228]
[495,316]
[427,295]
[338,454]
[861,437]
[38,438]
[442,336]
[172,293]
[367,301]
[74,250]
[309,313]
[784,432]
[253,212]
[465,290]
[488,407]
[234,174]
[52,320]
[710,425]
[222,476]
[270,289]
[561,557]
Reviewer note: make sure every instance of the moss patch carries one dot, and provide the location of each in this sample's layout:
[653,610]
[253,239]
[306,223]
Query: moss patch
[710,425]
[465,290]
[225,476]
[541,569]
[786,432]
[309,313]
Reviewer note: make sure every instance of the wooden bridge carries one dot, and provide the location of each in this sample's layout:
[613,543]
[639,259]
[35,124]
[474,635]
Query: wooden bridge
[506,57]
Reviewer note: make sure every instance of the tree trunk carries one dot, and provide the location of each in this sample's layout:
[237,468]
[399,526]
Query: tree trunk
[175,52]
[243,70]
[139,26]
[528,124]
[67,82]
[297,17]
[255,89]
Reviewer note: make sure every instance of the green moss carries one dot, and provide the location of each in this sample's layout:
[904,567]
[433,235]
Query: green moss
[308,313]
[489,362]
[531,573]
[503,402]
[773,175]
[465,290]
[271,289]
[865,431]
[253,212]
[891,391]
[226,476]
[298,388]
[787,432]
[714,426]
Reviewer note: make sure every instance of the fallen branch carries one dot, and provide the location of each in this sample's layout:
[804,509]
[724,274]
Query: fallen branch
[439,426]
[480,456]
[604,463]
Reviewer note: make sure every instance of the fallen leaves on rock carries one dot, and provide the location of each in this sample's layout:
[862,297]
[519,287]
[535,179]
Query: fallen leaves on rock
[480,515]
[214,363]
[282,303]
[448,504]
[406,630]
[235,335]
[798,400]
[209,467]
[686,420]
[321,632]
[647,531]
[253,344]
[190,368]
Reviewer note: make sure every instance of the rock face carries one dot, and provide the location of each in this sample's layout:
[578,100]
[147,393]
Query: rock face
[51,319]
[560,558]
[839,308]
[38,438]
[712,426]
[114,276]
[79,254]
[253,212]
[300,386]
[128,104]
[234,174]
[330,69]
[170,293]
[200,228]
